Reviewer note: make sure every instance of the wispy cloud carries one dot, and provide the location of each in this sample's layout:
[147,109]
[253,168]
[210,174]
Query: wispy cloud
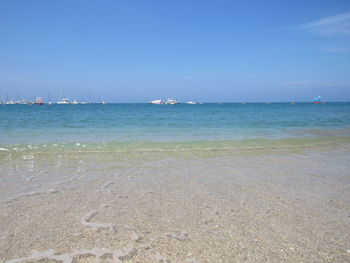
[336,50]
[338,24]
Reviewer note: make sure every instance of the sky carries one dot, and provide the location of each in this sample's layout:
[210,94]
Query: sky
[202,50]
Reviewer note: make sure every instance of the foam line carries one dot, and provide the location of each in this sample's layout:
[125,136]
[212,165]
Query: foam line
[31,193]
[105,187]
[117,255]
[85,220]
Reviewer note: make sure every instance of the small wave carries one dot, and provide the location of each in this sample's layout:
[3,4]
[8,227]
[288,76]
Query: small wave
[174,146]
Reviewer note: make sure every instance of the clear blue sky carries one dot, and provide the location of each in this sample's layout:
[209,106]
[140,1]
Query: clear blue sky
[135,51]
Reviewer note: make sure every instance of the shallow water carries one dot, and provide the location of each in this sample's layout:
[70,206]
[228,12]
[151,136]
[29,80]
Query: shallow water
[184,183]
[275,205]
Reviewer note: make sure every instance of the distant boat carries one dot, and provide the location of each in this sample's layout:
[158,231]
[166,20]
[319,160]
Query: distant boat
[171,101]
[10,102]
[63,101]
[75,102]
[192,102]
[103,102]
[317,100]
[39,101]
[156,102]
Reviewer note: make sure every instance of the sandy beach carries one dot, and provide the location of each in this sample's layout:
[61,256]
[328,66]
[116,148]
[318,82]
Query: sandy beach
[276,205]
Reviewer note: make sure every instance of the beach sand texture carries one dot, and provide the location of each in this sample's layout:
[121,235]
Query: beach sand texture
[275,206]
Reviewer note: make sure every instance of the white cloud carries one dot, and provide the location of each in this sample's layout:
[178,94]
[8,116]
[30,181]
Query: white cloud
[338,24]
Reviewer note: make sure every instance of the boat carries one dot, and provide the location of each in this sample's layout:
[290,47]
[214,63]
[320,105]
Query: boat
[171,101]
[39,101]
[156,102]
[10,102]
[317,100]
[75,102]
[63,101]
[192,102]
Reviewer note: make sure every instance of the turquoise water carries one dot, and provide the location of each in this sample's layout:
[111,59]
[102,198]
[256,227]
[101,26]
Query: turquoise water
[130,123]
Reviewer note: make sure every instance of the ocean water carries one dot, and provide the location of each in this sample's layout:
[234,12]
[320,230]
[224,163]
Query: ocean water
[120,126]
[197,183]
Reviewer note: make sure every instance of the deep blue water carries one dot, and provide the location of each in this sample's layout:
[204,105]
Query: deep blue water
[145,122]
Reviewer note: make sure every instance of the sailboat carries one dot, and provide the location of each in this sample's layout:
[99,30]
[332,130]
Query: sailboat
[102,101]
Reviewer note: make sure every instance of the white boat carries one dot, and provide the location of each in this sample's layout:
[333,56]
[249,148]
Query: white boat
[39,101]
[10,102]
[64,101]
[156,102]
[191,102]
[75,102]
[171,101]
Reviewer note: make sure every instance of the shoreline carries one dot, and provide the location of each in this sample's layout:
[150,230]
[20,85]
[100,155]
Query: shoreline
[177,145]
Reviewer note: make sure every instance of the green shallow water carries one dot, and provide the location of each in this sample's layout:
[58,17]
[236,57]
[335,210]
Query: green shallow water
[174,146]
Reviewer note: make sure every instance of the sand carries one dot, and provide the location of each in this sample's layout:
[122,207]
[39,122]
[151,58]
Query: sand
[265,206]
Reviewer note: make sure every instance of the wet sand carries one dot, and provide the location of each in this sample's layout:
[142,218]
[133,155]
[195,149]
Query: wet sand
[265,206]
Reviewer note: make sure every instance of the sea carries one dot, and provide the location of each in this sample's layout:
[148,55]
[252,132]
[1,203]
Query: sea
[213,182]
[126,126]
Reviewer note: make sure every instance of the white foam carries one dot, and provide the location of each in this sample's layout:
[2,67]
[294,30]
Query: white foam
[125,253]
[30,178]
[161,258]
[105,187]
[66,181]
[134,236]
[183,235]
[32,193]
[117,255]
[28,157]
[85,220]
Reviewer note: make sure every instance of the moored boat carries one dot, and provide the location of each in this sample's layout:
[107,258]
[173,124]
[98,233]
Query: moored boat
[171,101]
[39,101]
[63,101]
[156,102]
